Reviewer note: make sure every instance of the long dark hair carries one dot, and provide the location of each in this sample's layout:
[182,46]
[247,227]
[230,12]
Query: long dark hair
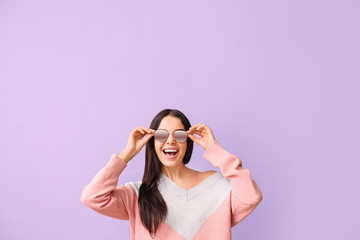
[152,206]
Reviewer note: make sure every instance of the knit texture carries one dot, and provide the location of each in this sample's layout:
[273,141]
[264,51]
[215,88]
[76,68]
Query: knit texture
[207,211]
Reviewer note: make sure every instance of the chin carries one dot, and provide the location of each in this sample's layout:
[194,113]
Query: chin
[171,162]
[169,165]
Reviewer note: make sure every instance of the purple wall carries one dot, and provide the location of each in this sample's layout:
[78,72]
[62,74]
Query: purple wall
[277,81]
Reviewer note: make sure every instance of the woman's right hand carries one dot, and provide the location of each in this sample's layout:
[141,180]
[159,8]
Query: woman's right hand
[136,141]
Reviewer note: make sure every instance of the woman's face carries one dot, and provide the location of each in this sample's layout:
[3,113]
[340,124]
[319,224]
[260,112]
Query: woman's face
[170,123]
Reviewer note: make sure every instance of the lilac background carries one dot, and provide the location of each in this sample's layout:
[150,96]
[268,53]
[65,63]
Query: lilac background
[277,82]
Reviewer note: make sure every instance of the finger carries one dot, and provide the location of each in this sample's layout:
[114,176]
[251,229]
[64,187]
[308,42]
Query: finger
[196,132]
[204,128]
[201,127]
[208,128]
[197,129]
[142,132]
[137,130]
[195,139]
[151,130]
[194,126]
[146,129]
[147,138]
[197,126]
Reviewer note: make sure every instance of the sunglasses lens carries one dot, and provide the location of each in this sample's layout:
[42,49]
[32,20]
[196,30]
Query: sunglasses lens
[161,135]
[180,136]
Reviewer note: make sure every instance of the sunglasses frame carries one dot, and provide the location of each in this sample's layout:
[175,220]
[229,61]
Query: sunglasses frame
[168,134]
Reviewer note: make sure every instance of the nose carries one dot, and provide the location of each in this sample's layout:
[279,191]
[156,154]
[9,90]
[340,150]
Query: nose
[171,139]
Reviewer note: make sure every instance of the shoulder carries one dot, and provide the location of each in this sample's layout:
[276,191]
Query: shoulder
[207,173]
[135,186]
[200,176]
[220,180]
[219,184]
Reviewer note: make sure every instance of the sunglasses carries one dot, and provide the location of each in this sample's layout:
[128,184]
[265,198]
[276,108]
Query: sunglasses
[162,134]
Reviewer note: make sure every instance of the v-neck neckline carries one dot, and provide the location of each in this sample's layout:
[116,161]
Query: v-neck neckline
[202,185]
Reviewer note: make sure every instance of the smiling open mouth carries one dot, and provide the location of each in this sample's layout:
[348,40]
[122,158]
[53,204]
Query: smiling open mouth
[170,154]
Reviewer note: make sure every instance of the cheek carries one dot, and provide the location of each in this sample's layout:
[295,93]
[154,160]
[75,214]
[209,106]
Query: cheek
[157,148]
[184,149]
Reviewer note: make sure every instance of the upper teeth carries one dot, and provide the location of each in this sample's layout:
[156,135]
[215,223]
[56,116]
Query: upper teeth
[170,150]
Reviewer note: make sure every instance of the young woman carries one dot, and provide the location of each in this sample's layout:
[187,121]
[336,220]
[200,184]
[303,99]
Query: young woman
[173,201]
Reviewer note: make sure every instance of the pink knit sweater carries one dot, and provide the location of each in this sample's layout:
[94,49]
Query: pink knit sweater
[207,211]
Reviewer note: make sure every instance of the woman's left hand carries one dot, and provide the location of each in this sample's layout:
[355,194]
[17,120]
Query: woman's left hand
[207,136]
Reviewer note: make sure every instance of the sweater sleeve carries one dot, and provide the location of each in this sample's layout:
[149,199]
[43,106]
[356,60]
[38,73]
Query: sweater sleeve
[104,196]
[245,193]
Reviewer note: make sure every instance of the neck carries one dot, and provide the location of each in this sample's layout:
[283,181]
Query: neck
[175,173]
